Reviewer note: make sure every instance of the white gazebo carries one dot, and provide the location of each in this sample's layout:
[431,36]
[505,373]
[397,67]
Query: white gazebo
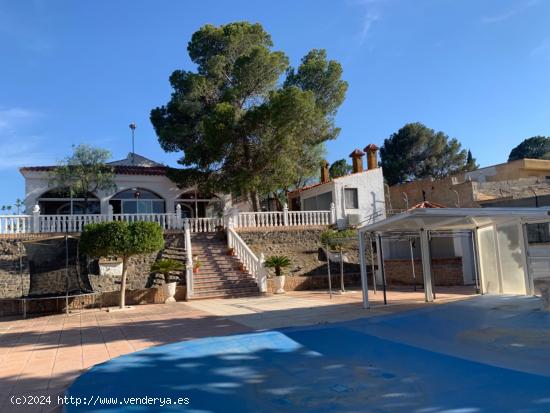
[503,264]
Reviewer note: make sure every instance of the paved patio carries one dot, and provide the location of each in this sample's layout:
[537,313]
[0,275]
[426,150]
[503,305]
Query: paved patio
[43,355]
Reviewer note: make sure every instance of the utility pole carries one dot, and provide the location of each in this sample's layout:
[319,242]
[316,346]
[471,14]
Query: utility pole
[133,128]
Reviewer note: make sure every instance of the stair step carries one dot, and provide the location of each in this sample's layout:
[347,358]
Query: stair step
[225,294]
[235,288]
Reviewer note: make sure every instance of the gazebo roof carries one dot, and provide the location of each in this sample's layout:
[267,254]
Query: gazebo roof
[451,219]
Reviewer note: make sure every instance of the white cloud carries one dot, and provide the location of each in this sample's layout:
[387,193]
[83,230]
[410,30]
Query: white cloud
[21,151]
[508,14]
[18,145]
[543,49]
[370,15]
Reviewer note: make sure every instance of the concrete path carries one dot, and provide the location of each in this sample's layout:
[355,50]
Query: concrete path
[302,308]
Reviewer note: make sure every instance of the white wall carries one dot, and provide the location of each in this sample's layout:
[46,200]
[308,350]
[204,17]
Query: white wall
[370,194]
[36,183]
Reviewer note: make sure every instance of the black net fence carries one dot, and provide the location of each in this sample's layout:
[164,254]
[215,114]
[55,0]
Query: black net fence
[55,268]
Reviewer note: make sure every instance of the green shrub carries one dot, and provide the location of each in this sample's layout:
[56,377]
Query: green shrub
[165,267]
[278,262]
[121,239]
[338,239]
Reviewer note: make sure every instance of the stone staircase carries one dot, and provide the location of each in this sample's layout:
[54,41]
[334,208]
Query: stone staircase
[176,253]
[220,275]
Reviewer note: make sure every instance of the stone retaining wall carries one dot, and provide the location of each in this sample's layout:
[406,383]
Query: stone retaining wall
[302,246]
[445,271]
[315,282]
[13,307]
[15,280]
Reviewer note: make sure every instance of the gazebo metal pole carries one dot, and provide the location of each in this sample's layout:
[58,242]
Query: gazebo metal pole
[363,268]
[342,289]
[381,267]
[412,263]
[66,274]
[372,264]
[474,258]
[329,280]
[426,265]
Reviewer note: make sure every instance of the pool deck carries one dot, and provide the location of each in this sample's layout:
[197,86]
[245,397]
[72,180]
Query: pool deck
[488,354]
[43,355]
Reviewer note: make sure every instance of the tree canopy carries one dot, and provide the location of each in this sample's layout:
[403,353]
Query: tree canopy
[416,151]
[341,167]
[84,172]
[121,239]
[240,123]
[537,147]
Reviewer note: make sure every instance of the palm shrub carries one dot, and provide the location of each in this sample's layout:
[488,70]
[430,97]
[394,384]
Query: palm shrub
[165,267]
[277,262]
[121,239]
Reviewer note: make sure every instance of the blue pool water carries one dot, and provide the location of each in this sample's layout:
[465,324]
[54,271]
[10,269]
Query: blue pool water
[464,357]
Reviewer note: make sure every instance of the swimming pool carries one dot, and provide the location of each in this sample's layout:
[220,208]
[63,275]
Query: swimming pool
[463,357]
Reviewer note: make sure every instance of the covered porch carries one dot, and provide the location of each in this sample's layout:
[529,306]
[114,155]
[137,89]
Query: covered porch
[499,242]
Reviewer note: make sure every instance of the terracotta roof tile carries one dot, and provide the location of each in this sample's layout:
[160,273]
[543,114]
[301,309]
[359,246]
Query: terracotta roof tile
[119,169]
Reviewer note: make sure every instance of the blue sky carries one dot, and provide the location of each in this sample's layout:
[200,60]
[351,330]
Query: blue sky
[79,72]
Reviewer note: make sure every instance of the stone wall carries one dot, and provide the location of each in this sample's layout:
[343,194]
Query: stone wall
[445,271]
[308,269]
[315,282]
[142,286]
[14,273]
[12,307]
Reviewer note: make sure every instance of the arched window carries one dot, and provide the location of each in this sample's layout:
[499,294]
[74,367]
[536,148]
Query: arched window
[60,201]
[137,201]
[195,204]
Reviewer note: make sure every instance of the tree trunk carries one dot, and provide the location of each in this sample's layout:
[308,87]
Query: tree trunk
[123,282]
[255,199]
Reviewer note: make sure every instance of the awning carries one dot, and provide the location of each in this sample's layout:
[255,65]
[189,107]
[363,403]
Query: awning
[454,219]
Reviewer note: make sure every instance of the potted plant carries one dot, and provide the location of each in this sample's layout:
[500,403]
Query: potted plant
[278,262]
[165,267]
[196,266]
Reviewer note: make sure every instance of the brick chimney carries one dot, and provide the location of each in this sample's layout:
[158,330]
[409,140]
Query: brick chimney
[357,160]
[372,161]
[324,172]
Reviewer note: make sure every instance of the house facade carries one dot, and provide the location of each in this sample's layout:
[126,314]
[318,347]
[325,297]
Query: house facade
[357,197]
[141,187]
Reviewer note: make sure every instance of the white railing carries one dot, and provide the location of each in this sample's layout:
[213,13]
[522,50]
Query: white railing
[15,224]
[285,218]
[166,221]
[188,262]
[253,264]
[203,224]
[37,223]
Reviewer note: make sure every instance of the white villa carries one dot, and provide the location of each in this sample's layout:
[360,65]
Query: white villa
[142,187]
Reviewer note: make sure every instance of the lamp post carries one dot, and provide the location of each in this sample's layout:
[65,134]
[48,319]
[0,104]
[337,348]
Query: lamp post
[133,128]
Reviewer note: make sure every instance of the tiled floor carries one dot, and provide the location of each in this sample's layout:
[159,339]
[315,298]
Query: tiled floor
[300,308]
[42,355]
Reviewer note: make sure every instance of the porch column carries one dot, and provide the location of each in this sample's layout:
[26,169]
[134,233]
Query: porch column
[426,265]
[104,206]
[363,266]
